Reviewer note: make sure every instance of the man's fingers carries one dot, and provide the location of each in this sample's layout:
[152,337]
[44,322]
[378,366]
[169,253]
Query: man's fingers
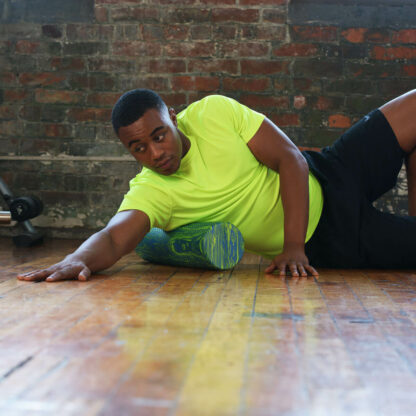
[84,274]
[312,270]
[36,275]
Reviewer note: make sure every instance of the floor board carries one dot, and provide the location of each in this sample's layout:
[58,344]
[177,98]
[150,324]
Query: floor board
[143,339]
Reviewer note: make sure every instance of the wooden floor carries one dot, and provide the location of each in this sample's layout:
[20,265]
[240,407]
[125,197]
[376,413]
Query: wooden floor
[142,339]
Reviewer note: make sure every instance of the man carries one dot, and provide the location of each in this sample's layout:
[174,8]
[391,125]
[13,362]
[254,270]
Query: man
[201,164]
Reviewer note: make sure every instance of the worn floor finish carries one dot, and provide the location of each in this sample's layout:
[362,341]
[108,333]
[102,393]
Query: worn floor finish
[142,339]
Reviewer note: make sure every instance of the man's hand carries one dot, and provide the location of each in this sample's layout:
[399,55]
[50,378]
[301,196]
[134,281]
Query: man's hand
[295,260]
[67,269]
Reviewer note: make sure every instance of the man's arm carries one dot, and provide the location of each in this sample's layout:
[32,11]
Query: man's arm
[104,248]
[274,149]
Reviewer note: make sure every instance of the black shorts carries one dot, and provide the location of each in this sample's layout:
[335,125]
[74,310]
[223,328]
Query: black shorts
[357,169]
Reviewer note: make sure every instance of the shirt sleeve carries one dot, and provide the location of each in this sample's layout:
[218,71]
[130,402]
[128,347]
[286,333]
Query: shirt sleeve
[150,199]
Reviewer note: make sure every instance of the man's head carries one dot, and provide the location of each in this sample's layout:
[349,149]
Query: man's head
[148,129]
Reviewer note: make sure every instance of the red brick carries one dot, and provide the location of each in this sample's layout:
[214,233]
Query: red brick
[339,121]
[299,101]
[262,2]
[153,32]
[176,32]
[15,95]
[53,96]
[43,79]
[224,32]
[167,65]
[319,33]
[75,64]
[269,32]
[284,120]
[294,49]
[229,66]
[354,35]
[137,14]
[103,98]
[57,130]
[263,67]
[101,14]
[409,70]
[388,54]
[246,84]
[137,48]
[7,113]
[176,99]
[243,49]
[89,114]
[26,46]
[217,2]
[201,32]
[191,83]
[265,101]
[325,103]
[235,15]
[404,36]
[185,49]
[7,78]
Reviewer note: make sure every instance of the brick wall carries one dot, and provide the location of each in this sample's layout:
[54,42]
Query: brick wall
[314,67]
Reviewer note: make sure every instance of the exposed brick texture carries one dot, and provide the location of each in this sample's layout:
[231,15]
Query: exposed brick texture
[313,75]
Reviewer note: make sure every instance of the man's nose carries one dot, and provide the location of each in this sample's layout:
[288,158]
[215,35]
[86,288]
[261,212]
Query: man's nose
[156,152]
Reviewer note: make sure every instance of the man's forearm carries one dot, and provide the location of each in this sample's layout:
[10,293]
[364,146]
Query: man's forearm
[98,252]
[294,188]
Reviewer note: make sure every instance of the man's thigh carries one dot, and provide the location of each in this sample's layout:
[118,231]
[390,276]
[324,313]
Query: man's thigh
[369,151]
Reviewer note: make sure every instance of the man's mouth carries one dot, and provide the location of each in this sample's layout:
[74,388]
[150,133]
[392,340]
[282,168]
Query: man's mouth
[165,164]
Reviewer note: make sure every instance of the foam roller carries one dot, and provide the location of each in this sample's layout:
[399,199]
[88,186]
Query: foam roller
[202,245]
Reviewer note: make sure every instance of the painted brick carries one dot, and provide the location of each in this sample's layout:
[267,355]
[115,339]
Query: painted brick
[275,15]
[54,96]
[195,83]
[224,32]
[85,48]
[324,103]
[263,2]
[404,36]
[354,35]
[296,50]
[377,36]
[318,33]
[317,68]
[7,78]
[52,31]
[7,113]
[253,67]
[339,121]
[246,84]
[111,65]
[387,54]
[235,15]
[57,130]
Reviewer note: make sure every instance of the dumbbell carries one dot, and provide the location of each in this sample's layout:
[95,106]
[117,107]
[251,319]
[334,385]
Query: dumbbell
[5,217]
[25,207]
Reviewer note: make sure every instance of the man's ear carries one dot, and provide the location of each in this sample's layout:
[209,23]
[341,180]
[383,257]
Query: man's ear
[172,115]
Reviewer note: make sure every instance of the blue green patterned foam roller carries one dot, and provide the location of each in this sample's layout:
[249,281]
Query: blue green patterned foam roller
[202,245]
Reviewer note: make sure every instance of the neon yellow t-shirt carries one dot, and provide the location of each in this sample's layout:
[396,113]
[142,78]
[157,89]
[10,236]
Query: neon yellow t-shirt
[219,179]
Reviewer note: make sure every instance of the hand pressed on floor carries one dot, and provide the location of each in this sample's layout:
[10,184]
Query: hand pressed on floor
[294,260]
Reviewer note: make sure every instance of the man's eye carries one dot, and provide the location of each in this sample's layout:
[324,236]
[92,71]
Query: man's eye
[160,137]
[139,149]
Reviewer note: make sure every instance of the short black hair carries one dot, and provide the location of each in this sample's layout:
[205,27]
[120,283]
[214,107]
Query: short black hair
[132,105]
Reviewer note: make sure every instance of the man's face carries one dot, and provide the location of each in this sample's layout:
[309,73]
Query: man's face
[154,141]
